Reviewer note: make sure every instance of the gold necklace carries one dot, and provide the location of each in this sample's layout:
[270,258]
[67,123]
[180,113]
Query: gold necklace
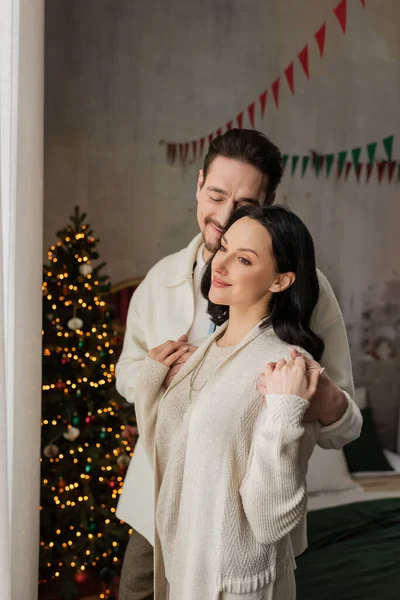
[197,370]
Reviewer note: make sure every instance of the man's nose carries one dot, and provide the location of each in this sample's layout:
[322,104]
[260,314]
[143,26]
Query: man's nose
[225,212]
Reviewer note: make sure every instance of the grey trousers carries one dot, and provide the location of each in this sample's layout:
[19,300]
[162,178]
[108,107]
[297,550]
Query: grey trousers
[137,575]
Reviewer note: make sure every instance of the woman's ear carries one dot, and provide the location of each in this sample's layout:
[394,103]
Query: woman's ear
[283,282]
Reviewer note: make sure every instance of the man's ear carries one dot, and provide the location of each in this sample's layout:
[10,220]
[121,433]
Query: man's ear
[200,180]
[283,282]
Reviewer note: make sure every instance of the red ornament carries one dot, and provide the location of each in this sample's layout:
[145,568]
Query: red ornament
[60,385]
[65,290]
[87,420]
[62,483]
[81,577]
[112,484]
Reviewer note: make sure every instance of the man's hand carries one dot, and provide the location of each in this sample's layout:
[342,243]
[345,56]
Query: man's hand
[178,364]
[329,403]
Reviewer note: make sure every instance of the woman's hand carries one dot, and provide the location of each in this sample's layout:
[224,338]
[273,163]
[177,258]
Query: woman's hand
[169,352]
[291,378]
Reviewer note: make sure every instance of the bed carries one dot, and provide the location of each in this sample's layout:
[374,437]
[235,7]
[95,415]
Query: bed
[354,540]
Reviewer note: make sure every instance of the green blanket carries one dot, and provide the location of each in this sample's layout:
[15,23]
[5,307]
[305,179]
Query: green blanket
[353,553]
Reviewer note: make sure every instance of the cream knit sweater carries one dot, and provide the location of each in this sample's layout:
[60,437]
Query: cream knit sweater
[230,475]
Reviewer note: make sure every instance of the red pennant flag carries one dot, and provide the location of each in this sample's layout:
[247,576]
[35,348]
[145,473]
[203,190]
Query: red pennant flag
[341,14]
[201,146]
[219,131]
[320,37]
[185,152]
[239,120]
[210,139]
[391,169]
[290,76]
[369,166]
[303,58]
[181,151]
[250,110]
[347,169]
[275,91]
[358,169]
[194,150]
[263,102]
[171,153]
[381,168]
[229,125]
[363,3]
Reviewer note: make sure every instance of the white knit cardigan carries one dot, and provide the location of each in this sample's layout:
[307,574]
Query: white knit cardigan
[230,473]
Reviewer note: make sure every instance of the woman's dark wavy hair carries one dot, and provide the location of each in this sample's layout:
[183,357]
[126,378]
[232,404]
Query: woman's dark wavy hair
[289,312]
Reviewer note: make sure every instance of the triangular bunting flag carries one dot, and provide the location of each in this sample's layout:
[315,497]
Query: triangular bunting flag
[210,139]
[219,132]
[295,160]
[369,166]
[347,169]
[186,152]
[320,37]
[329,162]
[318,163]
[358,169]
[341,14]
[229,125]
[275,91]
[201,147]
[194,150]
[381,168]
[388,145]
[341,161]
[284,160]
[263,102]
[304,165]
[391,168]
[356,156]
[239,120]
[398,173]
[290,76]
[363,3]
[371,149]
[303,58]
[181,151]
[250,110]
[171,153]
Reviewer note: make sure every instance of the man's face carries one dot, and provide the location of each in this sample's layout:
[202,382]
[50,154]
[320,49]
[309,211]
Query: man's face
[229,184]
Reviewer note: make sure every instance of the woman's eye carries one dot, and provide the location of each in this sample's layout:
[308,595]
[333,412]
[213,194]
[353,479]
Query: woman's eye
[244,261]
[222,249]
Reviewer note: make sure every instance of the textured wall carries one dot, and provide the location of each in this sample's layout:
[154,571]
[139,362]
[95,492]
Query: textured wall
[121,75]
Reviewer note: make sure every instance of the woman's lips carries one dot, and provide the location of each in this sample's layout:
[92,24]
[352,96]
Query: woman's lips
[220,284]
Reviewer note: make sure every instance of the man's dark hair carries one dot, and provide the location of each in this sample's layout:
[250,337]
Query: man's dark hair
[289,312]
[250,147]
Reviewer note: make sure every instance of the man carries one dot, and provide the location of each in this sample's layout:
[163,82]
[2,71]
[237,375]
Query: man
[241,167]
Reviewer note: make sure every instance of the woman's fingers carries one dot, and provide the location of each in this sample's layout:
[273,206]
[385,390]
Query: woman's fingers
[174,356]
[280,364]
[269,368]
[314,376]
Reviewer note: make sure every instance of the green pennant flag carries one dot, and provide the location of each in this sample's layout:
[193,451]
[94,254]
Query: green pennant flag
[318,163]
[304,165]
[295,160]
[388,145]
[329,162]
[342,160]
[284,160]
[371,149]
[356,156]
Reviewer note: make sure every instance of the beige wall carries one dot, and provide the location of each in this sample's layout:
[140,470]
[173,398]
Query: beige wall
[122,75]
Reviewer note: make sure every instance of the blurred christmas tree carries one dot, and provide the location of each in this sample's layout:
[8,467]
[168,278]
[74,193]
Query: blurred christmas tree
[85,423]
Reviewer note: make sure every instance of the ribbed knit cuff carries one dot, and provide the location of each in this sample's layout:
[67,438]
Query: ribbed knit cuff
[151,376]
[286,409]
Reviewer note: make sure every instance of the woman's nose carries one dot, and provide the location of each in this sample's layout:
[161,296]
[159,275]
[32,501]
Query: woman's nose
[221,266]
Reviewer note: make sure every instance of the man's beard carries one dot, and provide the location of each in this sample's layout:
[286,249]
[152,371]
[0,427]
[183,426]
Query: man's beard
[211,246]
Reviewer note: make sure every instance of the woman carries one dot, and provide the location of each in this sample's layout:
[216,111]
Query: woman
[230,466]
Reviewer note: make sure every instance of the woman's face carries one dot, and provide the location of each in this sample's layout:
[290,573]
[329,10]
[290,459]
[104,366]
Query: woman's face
[243,272]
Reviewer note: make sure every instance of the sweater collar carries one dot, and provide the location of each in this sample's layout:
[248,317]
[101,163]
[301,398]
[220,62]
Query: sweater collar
[199,354]
[183,267]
